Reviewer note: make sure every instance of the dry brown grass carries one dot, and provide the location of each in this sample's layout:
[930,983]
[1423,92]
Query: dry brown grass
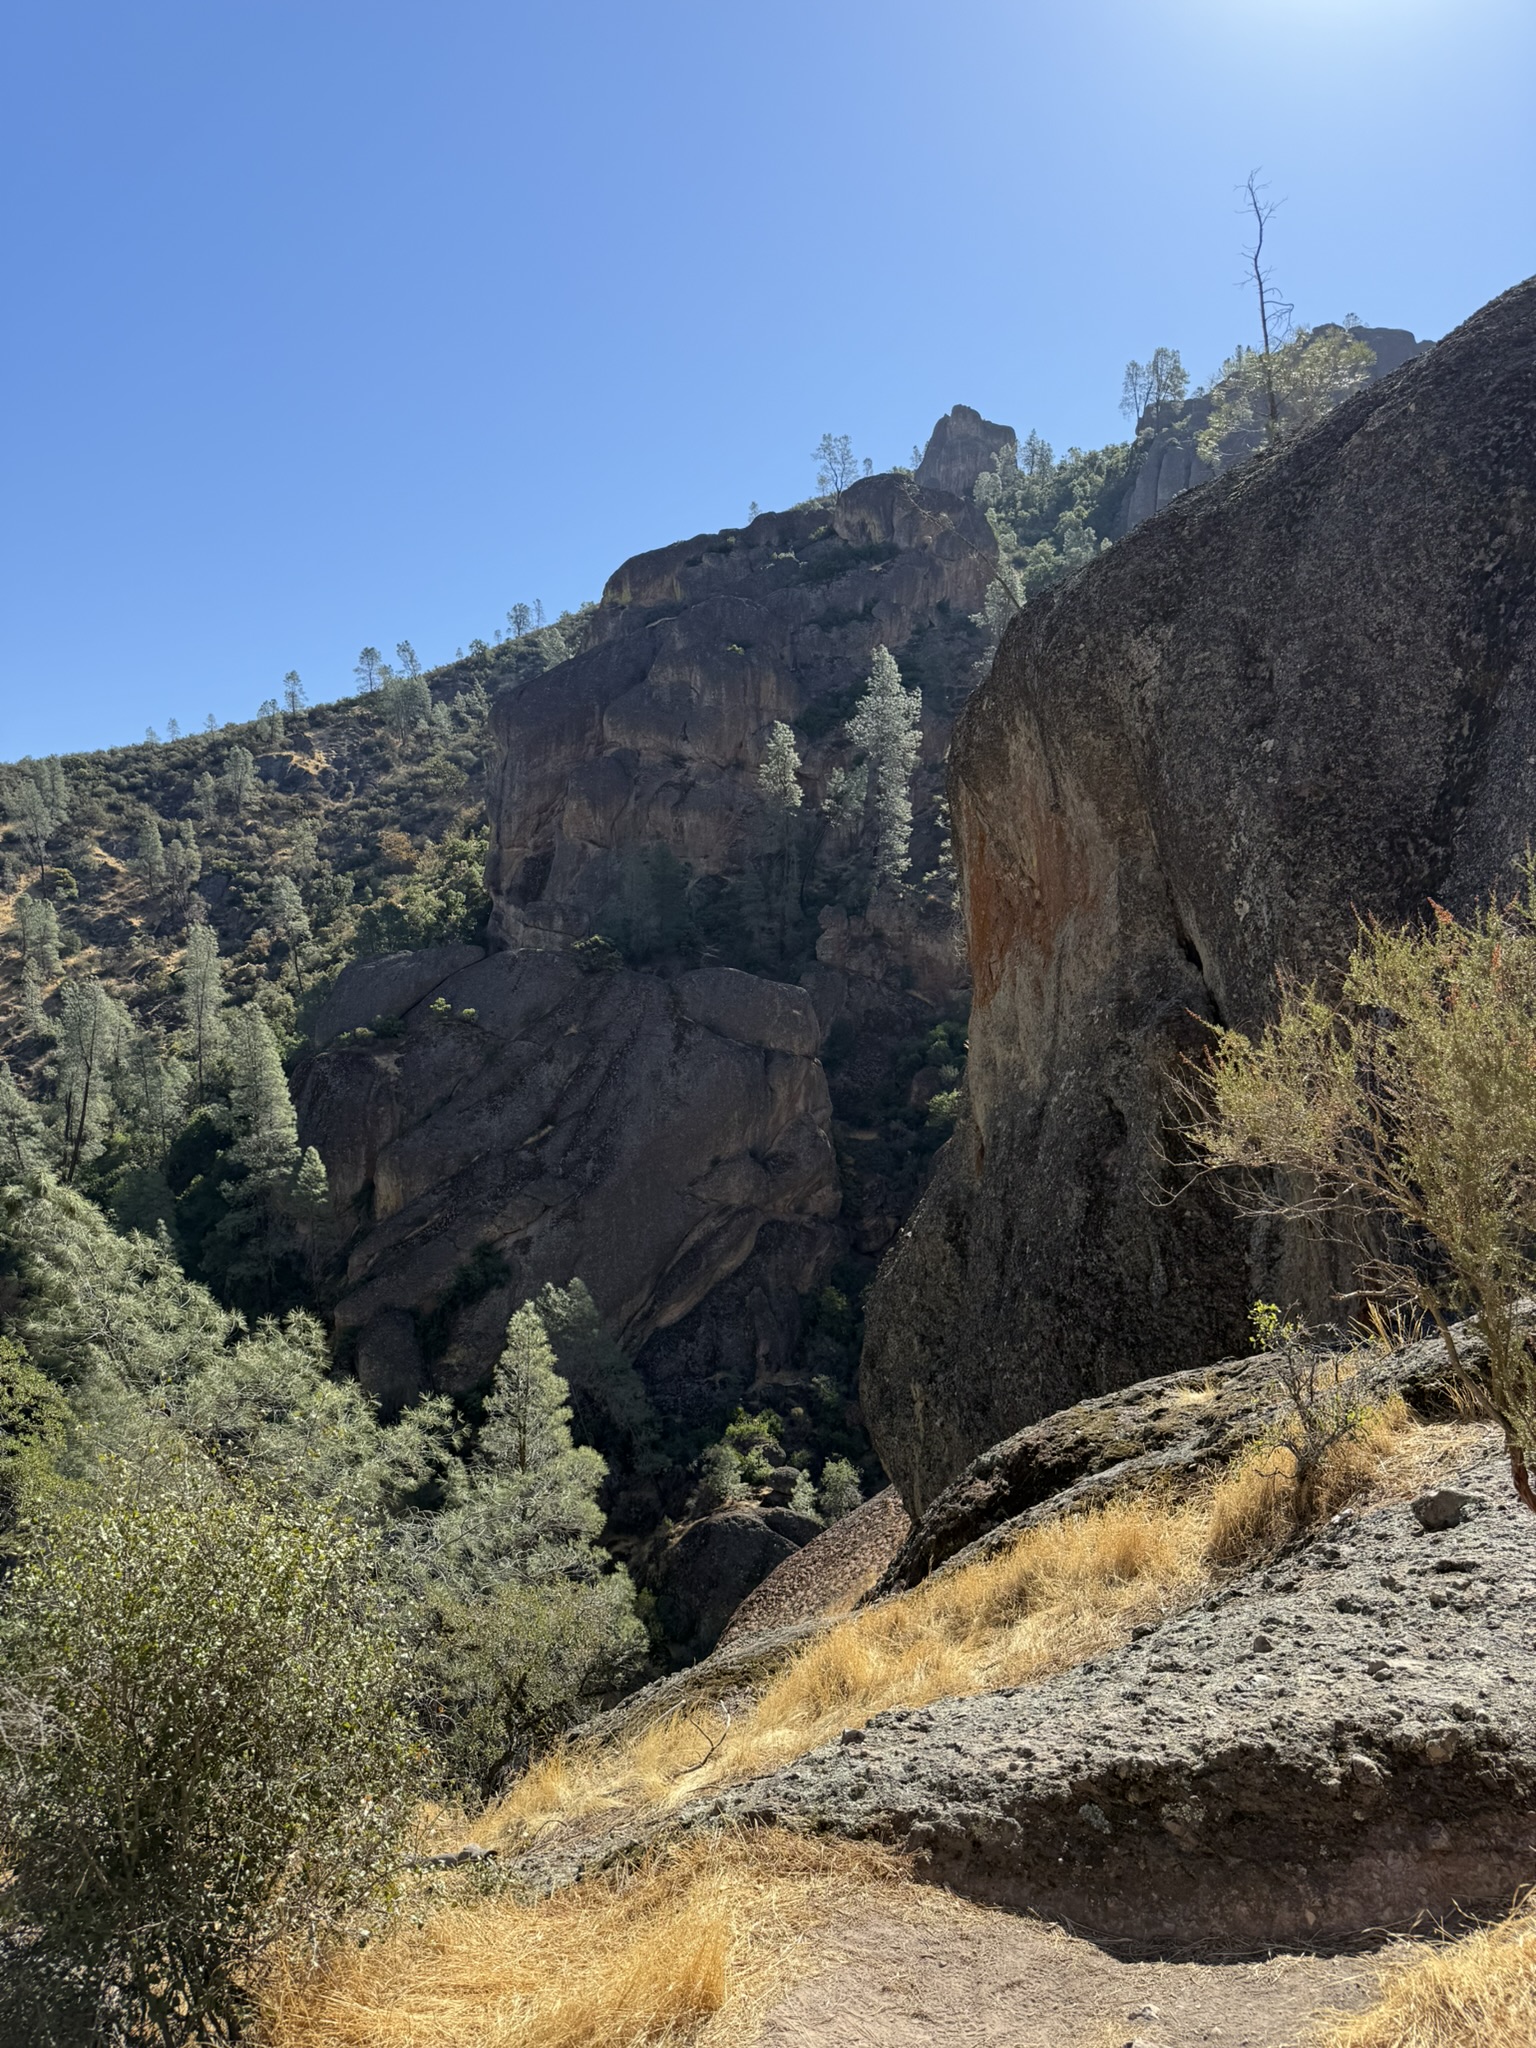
[689,1948]
[1476,1993]
[1064,1592]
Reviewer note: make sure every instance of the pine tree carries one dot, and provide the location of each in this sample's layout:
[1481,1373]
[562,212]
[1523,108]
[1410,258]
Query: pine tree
[266,1126]
[151,1086]
[367,670]
[531,1625]
[22,1142]
[33,1014]
[239,778]
[183,867]
[150,860]
[887,729]
[290,921]
[92,1028]
[294,698]
[778,778]
[202,984]
[771,897]
[611,1408]
[39,922]
[258,1237]
[205,797]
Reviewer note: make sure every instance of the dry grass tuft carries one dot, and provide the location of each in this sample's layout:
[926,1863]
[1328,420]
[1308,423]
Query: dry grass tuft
[689,1948]
[1064,1592]
[1476,1993]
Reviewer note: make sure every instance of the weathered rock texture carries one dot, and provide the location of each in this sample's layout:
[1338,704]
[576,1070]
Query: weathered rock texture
[960,447]
[636,1131]
[1302,692]
[1342,1740]
[653,736]
[829,1574]
[1161,1431]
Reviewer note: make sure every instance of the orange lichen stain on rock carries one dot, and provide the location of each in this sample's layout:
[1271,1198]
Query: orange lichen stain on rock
[1008,904]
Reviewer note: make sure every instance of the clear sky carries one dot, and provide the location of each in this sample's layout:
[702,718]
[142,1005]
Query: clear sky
[341,320]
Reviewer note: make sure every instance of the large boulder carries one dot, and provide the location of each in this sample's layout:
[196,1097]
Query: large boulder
[536,1119]
[1344,1738]
[1300,694]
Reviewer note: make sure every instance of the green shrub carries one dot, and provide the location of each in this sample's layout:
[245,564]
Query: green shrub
[212,1758]
[839,1492]
[1410,1096]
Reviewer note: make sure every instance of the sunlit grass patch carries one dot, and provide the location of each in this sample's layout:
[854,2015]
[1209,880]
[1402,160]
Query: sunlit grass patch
[1479,1992]
[687,1949]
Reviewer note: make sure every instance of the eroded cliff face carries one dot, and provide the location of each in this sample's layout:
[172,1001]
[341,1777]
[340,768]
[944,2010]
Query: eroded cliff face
[662,1131]
[653,736]
[536,1121]
[1302,692]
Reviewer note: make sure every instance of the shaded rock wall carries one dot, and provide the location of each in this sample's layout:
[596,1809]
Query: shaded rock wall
[636,1131]
[1303,690]
[653,736]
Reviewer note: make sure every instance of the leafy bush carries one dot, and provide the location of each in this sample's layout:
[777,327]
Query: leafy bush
[1412,1095]
[839,1492]
[215,1761]
[719,1480]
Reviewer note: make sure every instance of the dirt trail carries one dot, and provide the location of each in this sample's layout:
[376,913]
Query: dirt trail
[967,1977]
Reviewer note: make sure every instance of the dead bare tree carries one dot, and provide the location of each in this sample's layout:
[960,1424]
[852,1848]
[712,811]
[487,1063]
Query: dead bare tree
[1274,312]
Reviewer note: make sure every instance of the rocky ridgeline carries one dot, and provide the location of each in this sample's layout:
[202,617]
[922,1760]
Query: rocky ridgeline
[1301,693]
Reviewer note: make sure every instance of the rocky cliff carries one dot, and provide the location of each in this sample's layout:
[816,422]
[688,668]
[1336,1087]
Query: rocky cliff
[652,737]
[1301,692]
[607,1094]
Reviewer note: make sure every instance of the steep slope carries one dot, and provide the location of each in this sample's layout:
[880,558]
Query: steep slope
[1301,692]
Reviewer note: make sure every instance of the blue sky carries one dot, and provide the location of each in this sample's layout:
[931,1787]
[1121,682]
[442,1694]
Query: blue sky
[343,320]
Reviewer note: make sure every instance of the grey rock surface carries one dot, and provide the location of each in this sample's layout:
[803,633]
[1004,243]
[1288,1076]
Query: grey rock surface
[630,1130]
[960,447]
[1343,1739]
[653,736]
[1303,692]
[1172,1428]
[710,1567]
[1167,434]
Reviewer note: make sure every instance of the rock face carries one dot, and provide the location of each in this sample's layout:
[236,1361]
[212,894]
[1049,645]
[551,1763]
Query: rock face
[1343,1739]
[1159,1431]
[960,447]
[1304,690]
[709,1569]
[633,1130]
[653,736]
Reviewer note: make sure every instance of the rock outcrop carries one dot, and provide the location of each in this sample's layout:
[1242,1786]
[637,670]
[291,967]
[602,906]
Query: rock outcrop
[960,447]
[1302,692]
[1344,1738]
[1167,434]
[536,1120]
[652,737]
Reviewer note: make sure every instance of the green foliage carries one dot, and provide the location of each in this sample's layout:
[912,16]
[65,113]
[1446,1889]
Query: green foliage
[443,903]
[1308,375]
[839,1492]
[886,729]
[34,1429]
[609,1404]
[527,1627]
[1412,1095]
[719,1480]
[207,1756]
